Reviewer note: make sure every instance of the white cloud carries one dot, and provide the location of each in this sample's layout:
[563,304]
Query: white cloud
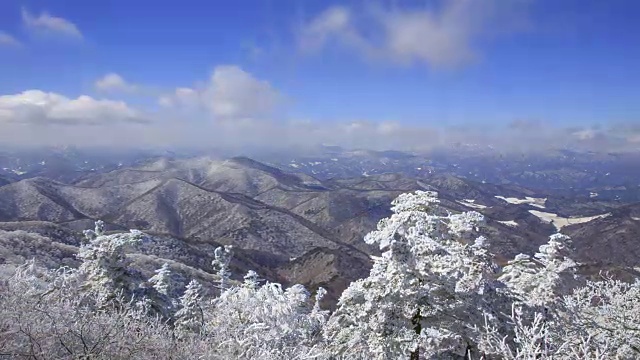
[246,105]
[8,40]
[38,107]
[443,36]
[586,134]
[113,82]
[184,98]
[39,118]
[234,93]
[48,24]
[230,94]
[335,22]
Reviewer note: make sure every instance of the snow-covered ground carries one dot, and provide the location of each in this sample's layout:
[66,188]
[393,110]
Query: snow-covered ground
[560,222]
[509,223]
[537,202]
[471,203]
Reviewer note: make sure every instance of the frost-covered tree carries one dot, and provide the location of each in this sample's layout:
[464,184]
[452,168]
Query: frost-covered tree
[223,256]
[189,319]
[44,315]
[542,279]
[535,284]
[252,280]
[161,281]
[161,296]
[597,321]
[605,312]
[426,292]
[105,267]
[265,322]
[320,294]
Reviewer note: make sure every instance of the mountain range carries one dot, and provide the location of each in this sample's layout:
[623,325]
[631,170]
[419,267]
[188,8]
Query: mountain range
[293,224]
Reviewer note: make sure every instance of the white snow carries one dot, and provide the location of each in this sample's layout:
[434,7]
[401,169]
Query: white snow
[560,222]
[593,194]
[334,159]
[635,218]
[471,203]
[509,223]
[294,165]
[537,202]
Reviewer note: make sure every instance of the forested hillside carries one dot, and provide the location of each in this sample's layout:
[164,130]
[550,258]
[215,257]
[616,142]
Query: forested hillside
[436,292]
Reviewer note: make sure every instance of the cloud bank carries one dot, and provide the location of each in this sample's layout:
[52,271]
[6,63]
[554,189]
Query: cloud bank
[37,108]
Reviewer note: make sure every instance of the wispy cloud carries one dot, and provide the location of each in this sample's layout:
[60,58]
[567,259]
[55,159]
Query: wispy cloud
[113,82]
[48,24]
[8,40]
[443,36]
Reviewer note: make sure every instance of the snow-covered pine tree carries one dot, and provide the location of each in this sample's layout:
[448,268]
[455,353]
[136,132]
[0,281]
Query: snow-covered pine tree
[426,292]
[189,319]
[105,267]
[252,280]
[161,281]
[541,280]
[223,256]
[161,296]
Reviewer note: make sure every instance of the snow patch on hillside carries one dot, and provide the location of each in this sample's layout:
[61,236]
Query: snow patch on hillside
[509,223]
[537,202]
[471,203]
[560,222]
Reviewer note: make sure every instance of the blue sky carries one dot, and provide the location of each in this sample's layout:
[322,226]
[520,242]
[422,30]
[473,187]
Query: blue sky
[426,64]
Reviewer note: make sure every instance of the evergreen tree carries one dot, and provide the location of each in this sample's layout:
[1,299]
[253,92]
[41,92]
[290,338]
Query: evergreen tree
[189,319]
[105,267]
[425,294]
[222,260]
